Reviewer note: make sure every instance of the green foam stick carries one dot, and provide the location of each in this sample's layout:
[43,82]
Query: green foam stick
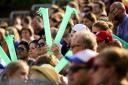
[4,56]
[64,23]
[9,40]
[44,13]
[124,43]
[63,62]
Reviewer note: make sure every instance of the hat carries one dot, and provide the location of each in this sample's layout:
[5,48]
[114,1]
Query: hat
[80,27]
[47,71]
[83,57]
[104,36]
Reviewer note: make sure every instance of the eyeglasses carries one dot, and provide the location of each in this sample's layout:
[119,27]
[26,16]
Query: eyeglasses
[40,45]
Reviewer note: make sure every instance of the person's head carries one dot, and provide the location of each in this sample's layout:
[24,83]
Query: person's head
[13,31]
[81,62]
[37,23]
[89,19]
[98,7]
[26,33]
[55,48]
[16,71]
[100,26]
[33,49]
[117,12]
[45,71]
[22,50]
[26,21]
[110,66]
[42,48]
[83,40]
[17,20]
[55,19]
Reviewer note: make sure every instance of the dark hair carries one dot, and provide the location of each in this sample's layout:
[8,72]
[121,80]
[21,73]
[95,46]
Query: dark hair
[27,19]
[35,42]
[116,57]
[27,30]
[25,44]
[90,16]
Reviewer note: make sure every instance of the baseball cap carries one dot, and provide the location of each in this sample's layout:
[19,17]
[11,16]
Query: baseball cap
[79,27]
[83,57]
[104,36]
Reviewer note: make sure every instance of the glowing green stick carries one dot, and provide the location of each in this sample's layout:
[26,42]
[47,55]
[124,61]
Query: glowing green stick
[4,56]
[9,40]
[44,13]
[63,62]
[64,23]
[124,43]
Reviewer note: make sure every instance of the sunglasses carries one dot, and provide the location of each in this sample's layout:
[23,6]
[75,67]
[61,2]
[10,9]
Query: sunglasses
[40,45]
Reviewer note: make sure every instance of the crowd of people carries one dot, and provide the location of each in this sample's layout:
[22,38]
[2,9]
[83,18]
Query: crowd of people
[97,58]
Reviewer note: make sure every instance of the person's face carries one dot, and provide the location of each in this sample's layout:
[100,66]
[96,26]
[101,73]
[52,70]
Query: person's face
[32,50]
[99,73]
[76,47]
[77,75]
[42,48]
[96,9]
[25,34]
[21,74]
[35,22]
[22,52]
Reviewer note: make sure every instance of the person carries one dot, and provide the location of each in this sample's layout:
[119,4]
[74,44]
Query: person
[103,35]
[17,23]
[26,35]
[22,51]
[42,47]
[110,67]
[83,46]
[119,17]
[15,72]
[81,64]
[89,19]
[99,10]
[33,49]
[83,40]
[37,24]
[32,54]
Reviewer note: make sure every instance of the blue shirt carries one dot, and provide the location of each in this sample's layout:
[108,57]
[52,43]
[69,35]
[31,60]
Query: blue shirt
[122,29]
